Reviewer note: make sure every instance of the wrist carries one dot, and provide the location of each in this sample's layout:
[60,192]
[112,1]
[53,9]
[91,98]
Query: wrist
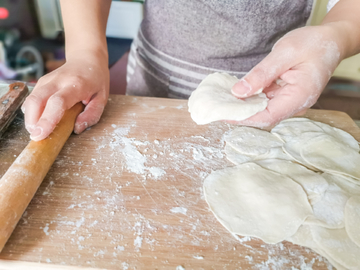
[342,32]
[98,54]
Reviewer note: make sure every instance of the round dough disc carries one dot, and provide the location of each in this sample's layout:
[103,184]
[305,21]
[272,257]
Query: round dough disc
[252,141]
[293,146]
[314,184]
[213,101]
[238,158]
[352,219]
[328,154]
[303,237]
[291,128]
[235,157]
[252,201]
[346,183]
[329,210]
[337,244]
[339,134]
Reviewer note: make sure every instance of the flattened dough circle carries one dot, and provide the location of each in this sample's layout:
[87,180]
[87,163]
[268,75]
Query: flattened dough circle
[252,141]
[252,201]
[352,219]
[337,244]
[213,101]
[328,154]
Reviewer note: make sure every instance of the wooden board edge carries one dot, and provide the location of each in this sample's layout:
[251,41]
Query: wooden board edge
[22,265]
[310,113]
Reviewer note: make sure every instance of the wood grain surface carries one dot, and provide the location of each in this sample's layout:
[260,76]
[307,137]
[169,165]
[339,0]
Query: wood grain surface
[10,102]
[23,178]
[127,194]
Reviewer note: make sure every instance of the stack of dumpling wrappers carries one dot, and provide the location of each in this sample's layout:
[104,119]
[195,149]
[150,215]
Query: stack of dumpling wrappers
[299,183]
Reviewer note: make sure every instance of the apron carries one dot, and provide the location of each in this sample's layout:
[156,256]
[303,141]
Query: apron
[180,42]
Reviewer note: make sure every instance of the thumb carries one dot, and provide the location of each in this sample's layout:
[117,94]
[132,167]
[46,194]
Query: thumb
[262,75]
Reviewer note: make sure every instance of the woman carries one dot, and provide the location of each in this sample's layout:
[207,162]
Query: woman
[181,41]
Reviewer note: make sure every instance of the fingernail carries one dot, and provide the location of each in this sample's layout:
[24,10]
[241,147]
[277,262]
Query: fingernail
[30,128]
[36,133]
[259,91]
[241,89]
[80,127]
[23,109]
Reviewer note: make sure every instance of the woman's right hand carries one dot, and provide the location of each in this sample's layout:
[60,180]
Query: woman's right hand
[83,78]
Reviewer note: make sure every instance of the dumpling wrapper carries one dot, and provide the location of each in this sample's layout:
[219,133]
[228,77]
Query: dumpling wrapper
[293,146]
[346,183]
[246,144]
[293,127]
[341,135]
[352,219]
[213,101]
[303,237]
[251,201]
[337,244]
[328,154]
[252,141]
[329,210]
[238,158]
[314,184]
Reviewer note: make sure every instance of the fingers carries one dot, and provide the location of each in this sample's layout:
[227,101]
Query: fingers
[63,88]
[51,116]
[54,111]
[288,101]
[298,89]
[34,105]
[91,115]
[263,74]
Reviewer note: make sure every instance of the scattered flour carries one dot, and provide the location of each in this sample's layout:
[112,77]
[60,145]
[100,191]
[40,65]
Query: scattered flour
[156,172]
[125,266]
[135,161]
[120,219]
[46,229]
[138,242]
[198,257]
[272,263]
[80,222]
[120,248]
[180,210]
[197,154]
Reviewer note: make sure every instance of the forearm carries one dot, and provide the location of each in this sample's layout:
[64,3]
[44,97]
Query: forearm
[85,26]
[344,18]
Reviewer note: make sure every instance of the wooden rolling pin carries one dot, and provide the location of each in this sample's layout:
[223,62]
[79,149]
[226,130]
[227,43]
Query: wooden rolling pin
[23,178]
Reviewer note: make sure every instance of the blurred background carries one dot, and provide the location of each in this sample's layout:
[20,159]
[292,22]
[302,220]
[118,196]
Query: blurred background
[32,38]
[32,44]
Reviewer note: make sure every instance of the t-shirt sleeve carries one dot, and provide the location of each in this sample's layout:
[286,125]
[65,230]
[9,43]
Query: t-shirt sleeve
[331,4]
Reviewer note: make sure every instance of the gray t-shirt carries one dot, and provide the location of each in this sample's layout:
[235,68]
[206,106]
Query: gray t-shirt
[204,36]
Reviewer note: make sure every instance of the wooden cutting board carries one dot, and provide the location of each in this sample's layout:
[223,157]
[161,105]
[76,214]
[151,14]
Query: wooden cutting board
[127,194]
